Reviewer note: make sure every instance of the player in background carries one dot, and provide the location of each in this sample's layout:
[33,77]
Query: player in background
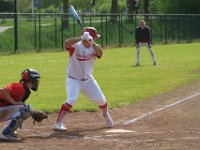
[12,107]
[143,36]
[83,52]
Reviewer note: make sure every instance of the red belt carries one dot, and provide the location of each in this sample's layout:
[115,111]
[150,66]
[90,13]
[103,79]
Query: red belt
[77,79]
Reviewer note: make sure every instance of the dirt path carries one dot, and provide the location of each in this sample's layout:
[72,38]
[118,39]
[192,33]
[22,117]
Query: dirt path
[3,29]
[172,128]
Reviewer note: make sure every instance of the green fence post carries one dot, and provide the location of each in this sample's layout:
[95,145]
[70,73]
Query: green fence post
[161,28]
[172,24]
[62,34]
[119,31]
[74,28]
[35,31]
[101,30]
[135,22]
[106,30]
[15,26]
[39,32]
[135,25]
[179,29]
[165,30]
[121,28]
[83,21]
[55,31]
[90,20]
[184,33]
[150,17]
[191,28]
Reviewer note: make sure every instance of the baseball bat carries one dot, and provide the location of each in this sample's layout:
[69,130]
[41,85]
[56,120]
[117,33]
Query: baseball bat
[76,16]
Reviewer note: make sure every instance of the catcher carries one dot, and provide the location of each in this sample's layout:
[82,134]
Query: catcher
[12,106]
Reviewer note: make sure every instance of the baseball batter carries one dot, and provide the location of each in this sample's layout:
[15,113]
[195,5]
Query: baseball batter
[83,52]
[142,36]
[12,107]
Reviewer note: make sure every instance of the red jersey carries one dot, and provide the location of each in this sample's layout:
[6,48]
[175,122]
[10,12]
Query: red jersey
[18,91]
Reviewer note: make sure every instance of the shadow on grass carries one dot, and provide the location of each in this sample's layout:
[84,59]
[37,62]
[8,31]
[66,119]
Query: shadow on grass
[142,66]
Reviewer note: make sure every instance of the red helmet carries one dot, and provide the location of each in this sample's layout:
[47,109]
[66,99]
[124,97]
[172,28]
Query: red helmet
[92,31]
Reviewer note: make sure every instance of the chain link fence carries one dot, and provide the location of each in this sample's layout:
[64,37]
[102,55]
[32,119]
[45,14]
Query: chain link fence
[40,32]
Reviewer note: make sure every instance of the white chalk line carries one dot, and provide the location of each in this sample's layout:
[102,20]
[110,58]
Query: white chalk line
[102,138]
[160,109]
[106,140]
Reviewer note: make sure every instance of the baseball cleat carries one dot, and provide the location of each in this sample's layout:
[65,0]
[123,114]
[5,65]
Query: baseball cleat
[59,127]
[14,134]
[109,121]
[155,63]
[9,137]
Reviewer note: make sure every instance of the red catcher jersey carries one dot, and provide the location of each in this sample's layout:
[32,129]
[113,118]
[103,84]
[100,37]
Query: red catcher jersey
[17,91]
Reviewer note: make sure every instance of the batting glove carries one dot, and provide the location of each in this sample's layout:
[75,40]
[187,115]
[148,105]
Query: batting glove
[90,40]
[85,36]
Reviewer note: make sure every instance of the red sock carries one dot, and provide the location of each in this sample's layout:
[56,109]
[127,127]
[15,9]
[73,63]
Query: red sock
[104,108]
[65,108]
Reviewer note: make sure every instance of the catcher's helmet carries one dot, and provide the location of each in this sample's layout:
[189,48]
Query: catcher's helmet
[31,75]
[93,32]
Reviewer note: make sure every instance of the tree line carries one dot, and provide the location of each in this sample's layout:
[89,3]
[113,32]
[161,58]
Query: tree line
[106,6]
[128,7]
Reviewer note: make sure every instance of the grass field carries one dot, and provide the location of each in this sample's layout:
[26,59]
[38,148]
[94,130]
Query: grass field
[120,81]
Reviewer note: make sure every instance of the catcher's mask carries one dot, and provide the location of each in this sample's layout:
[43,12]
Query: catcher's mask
[93,32]
[31,75]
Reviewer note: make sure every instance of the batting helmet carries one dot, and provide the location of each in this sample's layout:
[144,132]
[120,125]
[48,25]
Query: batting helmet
[93,32]
[31,75]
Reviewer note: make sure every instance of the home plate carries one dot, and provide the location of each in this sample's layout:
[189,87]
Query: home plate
[119,131]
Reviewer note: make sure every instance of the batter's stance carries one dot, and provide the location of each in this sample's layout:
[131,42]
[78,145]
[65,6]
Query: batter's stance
[142,36]
[12,107]
[82,52]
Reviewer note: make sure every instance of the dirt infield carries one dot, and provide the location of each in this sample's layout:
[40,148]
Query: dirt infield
[169,121]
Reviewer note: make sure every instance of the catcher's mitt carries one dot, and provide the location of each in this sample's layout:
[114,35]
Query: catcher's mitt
[38,116]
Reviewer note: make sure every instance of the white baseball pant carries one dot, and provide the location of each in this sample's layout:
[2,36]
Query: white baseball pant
[89,88]
[150,51]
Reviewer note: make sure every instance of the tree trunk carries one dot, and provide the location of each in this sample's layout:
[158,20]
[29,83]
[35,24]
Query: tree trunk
[130,6]
[146,8]
[114,10]
[65,16]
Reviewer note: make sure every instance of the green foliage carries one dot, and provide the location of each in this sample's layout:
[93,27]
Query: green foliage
[24,6]
[54,6]
[55,3]
[121,82]
[121,6]
[176,6]
[6,6]
[104,6]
